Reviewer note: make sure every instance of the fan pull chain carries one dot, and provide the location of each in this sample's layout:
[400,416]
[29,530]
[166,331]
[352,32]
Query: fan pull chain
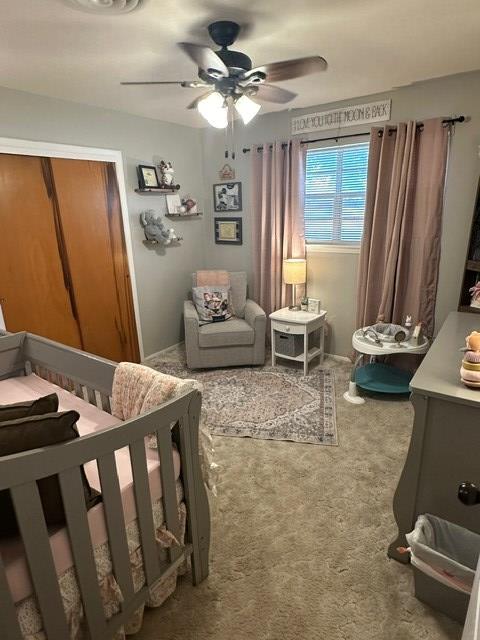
[232,132]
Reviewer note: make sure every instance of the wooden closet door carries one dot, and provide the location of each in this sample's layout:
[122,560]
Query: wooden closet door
[91,219]
[35,287]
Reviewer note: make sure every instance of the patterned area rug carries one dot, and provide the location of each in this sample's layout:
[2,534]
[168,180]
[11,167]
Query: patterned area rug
[266,403]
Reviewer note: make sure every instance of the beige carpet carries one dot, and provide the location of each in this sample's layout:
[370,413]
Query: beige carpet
[299,541]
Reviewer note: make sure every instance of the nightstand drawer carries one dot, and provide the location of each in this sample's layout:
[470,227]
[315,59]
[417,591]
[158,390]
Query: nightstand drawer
[288,328]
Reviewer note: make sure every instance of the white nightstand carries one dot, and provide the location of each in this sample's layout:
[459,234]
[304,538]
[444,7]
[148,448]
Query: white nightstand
[299,323]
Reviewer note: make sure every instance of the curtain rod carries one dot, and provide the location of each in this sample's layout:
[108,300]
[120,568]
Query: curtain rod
[446,122]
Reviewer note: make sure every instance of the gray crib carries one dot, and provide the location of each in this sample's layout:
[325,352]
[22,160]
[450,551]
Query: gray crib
[90,378]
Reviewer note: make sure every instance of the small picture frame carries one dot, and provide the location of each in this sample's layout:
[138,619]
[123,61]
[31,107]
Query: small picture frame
[173,204]
[227,197]
[314,305]
[228,230]
[147,177]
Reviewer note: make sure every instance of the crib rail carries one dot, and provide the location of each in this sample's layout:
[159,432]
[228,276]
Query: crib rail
[19,473]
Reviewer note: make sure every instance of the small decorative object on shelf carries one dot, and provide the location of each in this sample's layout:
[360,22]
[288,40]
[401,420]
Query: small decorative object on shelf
[475,295]
[226,173]
[167,176]
[173,203]
[227,197]
[154,229]
[189,205]
[147,177]
[304,304]
[470,369]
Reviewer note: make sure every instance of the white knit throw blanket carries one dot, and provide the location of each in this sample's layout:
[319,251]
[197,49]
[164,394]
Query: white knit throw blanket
[138,389]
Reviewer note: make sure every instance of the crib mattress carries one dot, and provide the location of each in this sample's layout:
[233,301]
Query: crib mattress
[91,420]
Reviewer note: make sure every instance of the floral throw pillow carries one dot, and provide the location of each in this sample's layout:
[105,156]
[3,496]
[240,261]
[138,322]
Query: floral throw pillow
[212,303]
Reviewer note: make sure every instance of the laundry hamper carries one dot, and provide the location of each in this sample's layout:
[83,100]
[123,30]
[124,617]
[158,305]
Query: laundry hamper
[444,558]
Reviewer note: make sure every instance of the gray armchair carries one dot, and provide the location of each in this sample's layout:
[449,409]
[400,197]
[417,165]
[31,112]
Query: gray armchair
[238,341]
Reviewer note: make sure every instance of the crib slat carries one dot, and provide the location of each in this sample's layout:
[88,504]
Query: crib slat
[105,403]
[92,398]
[31,522]
[195,535]
[78,390]
[76,514]
[169,491]
[10,627]
[117,537]
[143,501]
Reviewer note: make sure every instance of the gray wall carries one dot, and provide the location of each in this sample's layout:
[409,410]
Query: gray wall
[332,276]
[162,274]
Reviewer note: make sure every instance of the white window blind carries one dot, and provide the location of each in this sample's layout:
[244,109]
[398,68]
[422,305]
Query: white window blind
[335,186]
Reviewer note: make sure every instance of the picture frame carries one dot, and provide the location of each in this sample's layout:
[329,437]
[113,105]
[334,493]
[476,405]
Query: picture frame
[314,306]
[227,197]
[173,204]
[147,177]
[228,230]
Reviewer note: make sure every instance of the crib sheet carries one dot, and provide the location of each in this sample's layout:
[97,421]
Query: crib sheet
[91,420]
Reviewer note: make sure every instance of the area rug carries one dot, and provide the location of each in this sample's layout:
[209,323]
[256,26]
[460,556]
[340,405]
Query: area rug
[269,403]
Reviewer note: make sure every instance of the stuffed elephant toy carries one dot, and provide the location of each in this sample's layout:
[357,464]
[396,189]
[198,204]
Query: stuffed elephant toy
[155,229]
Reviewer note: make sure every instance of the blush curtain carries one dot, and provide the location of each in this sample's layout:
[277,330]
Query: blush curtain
[278,188]
[400,251]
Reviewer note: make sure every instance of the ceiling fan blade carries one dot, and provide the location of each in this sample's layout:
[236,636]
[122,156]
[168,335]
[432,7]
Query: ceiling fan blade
[288,69]
[269,93]
[205,59]
[191,84]
[194,103]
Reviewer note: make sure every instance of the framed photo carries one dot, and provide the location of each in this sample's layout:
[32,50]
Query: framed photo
[147,177]
[314,305]
[173,203]
[227,196]
[228,230]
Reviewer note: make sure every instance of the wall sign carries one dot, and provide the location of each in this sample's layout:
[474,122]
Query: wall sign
[342,117]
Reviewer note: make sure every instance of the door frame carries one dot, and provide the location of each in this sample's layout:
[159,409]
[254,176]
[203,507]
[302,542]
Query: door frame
[18,146]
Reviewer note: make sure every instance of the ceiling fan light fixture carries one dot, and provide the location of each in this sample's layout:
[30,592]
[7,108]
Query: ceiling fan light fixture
[246,108]
[214,109]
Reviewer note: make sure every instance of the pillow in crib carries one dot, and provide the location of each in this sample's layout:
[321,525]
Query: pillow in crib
[35,432]
[212,303]
[37,407]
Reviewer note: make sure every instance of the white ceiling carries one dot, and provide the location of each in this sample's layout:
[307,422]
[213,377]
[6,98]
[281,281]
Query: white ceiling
[46,47]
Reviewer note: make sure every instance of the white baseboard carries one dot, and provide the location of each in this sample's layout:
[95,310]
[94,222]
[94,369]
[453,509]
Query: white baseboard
[334,356]
[162,352]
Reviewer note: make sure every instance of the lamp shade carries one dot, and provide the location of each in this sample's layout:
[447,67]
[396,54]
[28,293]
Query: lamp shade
[295,271]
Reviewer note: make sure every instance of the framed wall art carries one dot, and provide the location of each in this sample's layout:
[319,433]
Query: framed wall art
[228,230]
[147,177]
[227,196]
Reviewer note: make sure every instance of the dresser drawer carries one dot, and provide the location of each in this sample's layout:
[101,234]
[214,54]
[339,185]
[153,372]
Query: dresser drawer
[288,328]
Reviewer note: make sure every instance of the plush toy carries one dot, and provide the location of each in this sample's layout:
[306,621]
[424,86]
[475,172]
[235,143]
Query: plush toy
[470,369]
[475,296]
[154,229]
[473,342]
[166,169]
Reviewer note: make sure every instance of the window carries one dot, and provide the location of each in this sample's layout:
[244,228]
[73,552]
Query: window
[335,186]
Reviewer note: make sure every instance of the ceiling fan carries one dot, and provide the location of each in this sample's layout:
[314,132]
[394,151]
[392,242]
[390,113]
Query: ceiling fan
[230,78]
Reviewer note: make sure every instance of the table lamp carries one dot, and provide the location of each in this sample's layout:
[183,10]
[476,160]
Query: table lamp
[295,272]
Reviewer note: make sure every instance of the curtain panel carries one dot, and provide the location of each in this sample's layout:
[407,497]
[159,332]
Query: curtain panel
[278,230]
[400,251]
